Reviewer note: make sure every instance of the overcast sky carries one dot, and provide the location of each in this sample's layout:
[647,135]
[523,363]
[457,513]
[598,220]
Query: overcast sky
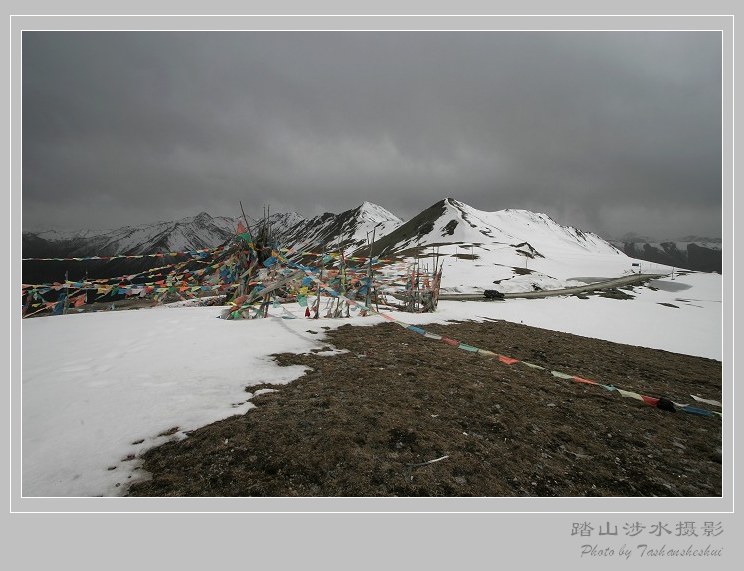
[612,132]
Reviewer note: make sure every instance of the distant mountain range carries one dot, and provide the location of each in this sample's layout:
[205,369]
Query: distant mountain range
[347,231]
[517,243]
[690,252]
[193,233]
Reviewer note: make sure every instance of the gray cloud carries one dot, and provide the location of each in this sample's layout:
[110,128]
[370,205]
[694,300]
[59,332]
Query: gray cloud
[610,131]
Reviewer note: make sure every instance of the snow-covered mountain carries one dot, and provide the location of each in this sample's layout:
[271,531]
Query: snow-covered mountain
[509,250]
[192,233]
[346,231]
[450,221]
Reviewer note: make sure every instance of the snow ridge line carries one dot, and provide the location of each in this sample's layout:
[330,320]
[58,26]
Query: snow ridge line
[661,403]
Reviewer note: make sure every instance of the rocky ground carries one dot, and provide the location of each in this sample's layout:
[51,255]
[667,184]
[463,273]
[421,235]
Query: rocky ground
[366,422]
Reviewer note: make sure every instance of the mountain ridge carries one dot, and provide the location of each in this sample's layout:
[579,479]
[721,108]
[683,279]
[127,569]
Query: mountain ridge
[517,242]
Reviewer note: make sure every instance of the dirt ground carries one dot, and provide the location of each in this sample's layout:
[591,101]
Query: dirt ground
[363,423]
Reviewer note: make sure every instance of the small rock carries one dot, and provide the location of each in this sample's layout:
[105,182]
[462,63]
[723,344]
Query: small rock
[461,480]
[550,404]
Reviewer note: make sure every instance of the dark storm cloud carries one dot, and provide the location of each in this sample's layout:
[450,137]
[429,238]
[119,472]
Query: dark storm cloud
[610,131]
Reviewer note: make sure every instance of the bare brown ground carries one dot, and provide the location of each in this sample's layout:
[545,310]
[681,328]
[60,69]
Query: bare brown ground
[360,422]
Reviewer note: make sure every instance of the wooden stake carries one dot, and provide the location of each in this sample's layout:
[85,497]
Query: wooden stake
[67,295]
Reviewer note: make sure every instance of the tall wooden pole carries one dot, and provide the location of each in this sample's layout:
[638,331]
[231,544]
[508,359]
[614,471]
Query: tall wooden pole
[245,218]
[369,269]
[67,294]
[317,301]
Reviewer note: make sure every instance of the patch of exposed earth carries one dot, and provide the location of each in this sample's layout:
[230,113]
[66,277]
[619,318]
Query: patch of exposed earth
[366,422]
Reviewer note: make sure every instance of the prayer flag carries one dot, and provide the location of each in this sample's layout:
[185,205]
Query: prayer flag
[706,401]
[561,375]
[698,411]
[630,394]
[59,306]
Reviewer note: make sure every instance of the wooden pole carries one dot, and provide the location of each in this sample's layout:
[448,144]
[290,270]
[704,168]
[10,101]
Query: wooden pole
[369,269]
[67,294]
[35,312]
[245,218]
[317,300]
[267,226]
